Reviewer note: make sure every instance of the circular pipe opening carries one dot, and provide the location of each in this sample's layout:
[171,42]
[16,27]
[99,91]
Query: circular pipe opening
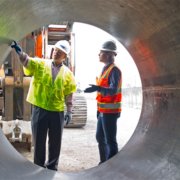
[88,40]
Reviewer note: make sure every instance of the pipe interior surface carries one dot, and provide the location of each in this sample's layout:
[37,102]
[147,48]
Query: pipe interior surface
[150,32]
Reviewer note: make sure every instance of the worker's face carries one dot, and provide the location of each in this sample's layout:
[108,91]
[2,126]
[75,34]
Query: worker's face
[104,57]
[58,55]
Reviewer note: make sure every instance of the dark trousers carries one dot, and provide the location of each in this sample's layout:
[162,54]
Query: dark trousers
[47,123]
[106,135]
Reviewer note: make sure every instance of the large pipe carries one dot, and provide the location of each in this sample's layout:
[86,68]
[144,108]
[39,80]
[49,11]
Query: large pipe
[150,32]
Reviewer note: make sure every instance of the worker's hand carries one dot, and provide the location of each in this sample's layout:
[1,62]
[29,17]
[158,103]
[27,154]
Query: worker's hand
[93,88]
[67,118]
[16,47]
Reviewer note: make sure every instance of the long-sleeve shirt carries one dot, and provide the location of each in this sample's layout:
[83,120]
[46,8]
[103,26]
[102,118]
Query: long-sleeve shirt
[24,59]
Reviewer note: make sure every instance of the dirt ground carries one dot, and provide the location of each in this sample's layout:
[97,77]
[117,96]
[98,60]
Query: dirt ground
[79,148]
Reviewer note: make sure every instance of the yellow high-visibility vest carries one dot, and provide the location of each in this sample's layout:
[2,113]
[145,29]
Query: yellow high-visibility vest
[45,93]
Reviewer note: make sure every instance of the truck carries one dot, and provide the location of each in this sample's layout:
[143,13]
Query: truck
[14,110]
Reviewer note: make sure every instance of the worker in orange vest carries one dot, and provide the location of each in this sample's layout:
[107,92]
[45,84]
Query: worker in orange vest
[108,101]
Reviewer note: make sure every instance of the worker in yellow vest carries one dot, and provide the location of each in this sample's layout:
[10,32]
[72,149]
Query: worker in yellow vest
[108,87]
[52,86]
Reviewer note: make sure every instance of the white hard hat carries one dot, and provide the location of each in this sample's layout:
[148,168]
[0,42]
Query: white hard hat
[64,46]
[109,46]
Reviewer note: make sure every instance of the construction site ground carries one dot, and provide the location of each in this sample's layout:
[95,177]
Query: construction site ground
[79,148]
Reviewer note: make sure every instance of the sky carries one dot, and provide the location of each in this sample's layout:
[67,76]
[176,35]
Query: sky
[88,40]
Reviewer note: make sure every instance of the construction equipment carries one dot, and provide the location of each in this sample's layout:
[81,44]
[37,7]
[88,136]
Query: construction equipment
[14,85]
[49,35]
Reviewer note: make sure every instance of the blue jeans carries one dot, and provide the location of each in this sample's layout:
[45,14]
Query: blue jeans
[106,135]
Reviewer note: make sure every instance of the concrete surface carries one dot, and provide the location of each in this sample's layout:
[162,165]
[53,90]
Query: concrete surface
[79,149]
[150,32]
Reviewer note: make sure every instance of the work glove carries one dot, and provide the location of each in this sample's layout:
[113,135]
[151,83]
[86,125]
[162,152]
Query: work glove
[17,48]
[93,88]
[67,118]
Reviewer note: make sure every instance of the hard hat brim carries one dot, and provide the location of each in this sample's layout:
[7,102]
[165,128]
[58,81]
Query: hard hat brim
[58,47]
[108,50]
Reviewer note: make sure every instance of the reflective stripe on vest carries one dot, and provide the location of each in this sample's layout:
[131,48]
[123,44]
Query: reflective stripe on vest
[108,103]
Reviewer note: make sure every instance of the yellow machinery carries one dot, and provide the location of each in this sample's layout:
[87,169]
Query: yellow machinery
[14,85]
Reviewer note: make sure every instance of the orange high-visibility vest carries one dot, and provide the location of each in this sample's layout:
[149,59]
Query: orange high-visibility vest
[108,103]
